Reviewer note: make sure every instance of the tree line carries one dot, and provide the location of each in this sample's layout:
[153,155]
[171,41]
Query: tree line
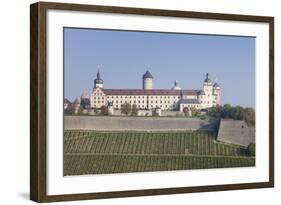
[233,112]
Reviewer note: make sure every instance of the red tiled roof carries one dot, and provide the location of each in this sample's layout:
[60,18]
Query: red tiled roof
[148,92]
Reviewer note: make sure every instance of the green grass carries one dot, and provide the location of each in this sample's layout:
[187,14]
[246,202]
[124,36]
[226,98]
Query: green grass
[97,152]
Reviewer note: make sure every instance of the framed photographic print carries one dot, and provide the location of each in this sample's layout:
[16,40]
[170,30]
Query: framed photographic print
[134,102]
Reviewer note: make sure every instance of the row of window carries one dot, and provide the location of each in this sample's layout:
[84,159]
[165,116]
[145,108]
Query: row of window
[204,96]
[205,102]
[98,98]
[143,97]
[191,106]
[116,102]
[152,102]
[98,102]
[151,106]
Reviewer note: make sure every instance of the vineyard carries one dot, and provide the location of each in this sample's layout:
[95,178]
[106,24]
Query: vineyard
[97,152]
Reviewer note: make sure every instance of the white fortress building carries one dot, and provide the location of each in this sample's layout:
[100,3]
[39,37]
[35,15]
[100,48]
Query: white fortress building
[147,98]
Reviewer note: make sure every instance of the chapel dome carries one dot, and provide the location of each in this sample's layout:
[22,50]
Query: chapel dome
[176,86]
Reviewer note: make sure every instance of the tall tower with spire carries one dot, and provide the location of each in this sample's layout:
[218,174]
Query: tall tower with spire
[207,86]
[98,81]
[147,81]
[208,92]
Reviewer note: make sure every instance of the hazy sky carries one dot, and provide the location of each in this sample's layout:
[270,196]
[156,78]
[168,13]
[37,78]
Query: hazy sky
[123,57]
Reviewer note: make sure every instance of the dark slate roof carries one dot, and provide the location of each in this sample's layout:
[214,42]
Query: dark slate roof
[188,101]
[216,85]
[201,92]
[207,79]
[147,75]
[98,80]
[149,92]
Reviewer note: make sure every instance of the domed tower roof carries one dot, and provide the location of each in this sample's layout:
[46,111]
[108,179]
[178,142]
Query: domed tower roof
[147,75]
[207,79]
[98,80]
[176,86]
[216,85]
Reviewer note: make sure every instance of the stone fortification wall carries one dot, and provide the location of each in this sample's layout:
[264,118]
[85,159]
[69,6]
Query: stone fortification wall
[138,123]
[236,132]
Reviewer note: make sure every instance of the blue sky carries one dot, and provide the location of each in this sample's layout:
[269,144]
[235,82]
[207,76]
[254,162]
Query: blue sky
[123,57]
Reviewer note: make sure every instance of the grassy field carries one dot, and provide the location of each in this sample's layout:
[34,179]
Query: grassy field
[97,152]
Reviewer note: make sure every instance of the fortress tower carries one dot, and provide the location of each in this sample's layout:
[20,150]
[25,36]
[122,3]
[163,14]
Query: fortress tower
[217,93]
[98,81]
[147,81]
[208,86]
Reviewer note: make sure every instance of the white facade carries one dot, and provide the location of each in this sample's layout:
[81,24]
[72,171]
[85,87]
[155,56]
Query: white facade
[149,99]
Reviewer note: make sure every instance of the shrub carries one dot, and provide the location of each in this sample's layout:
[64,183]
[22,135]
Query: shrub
[126,108]
[134,110]
[202,117]
[103,110]
[252,149]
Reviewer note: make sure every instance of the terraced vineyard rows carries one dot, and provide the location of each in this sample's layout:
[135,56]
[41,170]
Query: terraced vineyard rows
[102,164]
[200,143]
[94,152]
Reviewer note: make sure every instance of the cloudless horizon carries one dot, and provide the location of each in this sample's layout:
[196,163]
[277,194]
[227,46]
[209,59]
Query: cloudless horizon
[122,57]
